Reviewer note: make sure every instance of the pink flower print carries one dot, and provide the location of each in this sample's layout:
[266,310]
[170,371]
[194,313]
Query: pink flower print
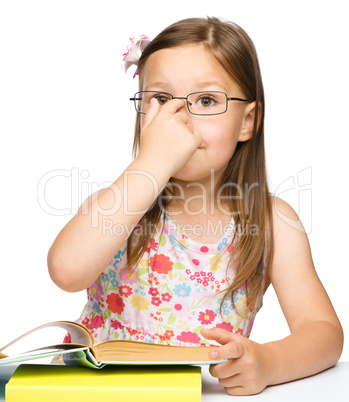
[166,297]
[202,277]
[128,276]
[152,245]
[116,324]
[97,322]
[225,325]
[156,301]
[153,292]
[180,308]
[160,264]
[207,317]
[189,337]
[96,290]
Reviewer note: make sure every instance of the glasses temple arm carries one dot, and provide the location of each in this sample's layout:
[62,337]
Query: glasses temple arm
[238,99]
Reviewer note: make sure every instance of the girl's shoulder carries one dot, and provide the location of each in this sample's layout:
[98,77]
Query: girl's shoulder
[285,218]
[291,248]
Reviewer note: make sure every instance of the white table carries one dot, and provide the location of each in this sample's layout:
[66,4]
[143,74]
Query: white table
[330,385]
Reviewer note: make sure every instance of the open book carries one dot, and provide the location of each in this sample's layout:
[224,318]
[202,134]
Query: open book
[81,350]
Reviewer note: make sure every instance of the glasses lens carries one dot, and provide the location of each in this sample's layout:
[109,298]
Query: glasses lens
[142,99]
[207,102]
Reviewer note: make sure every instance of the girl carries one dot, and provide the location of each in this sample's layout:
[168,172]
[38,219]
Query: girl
[182,246]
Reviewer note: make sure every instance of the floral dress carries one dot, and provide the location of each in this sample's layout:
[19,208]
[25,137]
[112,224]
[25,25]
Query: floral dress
[173,293]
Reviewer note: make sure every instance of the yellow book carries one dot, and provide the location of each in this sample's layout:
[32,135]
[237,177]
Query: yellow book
[35,383]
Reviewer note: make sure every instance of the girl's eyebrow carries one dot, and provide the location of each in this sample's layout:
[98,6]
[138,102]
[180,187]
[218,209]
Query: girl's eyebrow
[199,85]
[161,85]
[206,84]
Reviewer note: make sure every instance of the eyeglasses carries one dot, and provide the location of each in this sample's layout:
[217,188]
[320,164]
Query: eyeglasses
[199,103]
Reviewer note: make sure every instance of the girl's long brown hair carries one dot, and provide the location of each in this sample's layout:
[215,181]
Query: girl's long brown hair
[246,171]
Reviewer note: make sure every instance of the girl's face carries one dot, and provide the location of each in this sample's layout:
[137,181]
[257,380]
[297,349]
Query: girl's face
[186,69]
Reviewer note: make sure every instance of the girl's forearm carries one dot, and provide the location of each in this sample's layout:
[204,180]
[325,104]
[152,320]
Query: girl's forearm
[88,242]
[309,350]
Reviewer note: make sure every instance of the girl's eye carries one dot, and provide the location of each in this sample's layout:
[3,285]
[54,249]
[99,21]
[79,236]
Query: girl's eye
[206,101]
[162,99]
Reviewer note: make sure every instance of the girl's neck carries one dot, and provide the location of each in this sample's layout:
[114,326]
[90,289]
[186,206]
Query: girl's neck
[195,198]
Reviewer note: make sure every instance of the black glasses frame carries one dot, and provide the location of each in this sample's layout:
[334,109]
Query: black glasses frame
[137,98]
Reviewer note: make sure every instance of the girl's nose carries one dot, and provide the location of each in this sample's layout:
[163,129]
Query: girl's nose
[185,107]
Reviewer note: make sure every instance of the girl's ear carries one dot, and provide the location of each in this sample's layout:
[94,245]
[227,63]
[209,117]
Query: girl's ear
[248,122]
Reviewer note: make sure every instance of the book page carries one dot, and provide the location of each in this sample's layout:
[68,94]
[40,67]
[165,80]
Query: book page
[46,335]
[123,350]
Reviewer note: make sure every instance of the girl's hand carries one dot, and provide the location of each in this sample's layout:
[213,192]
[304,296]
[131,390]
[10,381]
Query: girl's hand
[248,368]
[167,138]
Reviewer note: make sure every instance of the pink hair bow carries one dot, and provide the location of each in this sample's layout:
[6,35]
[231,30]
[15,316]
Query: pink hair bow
[134,52]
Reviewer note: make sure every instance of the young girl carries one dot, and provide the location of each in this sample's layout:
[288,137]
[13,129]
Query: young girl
[182,246]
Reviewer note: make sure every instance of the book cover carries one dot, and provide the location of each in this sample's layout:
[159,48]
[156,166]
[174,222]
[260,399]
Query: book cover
[35,383]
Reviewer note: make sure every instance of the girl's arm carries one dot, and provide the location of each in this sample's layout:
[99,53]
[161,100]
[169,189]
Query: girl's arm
[316,339]
[88,242]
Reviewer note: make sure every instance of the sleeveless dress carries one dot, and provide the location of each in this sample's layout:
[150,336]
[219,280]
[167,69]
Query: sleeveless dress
[173,293]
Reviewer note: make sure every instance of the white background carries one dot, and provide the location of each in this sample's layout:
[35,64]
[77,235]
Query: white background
[66,128]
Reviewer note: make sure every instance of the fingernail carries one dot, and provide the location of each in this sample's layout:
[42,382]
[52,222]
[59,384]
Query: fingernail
[213,354]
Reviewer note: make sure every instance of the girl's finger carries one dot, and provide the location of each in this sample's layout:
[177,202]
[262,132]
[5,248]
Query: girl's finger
[233,381]
[152,112]
[231,350]
[219,335]
[224,370]
[173,106]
